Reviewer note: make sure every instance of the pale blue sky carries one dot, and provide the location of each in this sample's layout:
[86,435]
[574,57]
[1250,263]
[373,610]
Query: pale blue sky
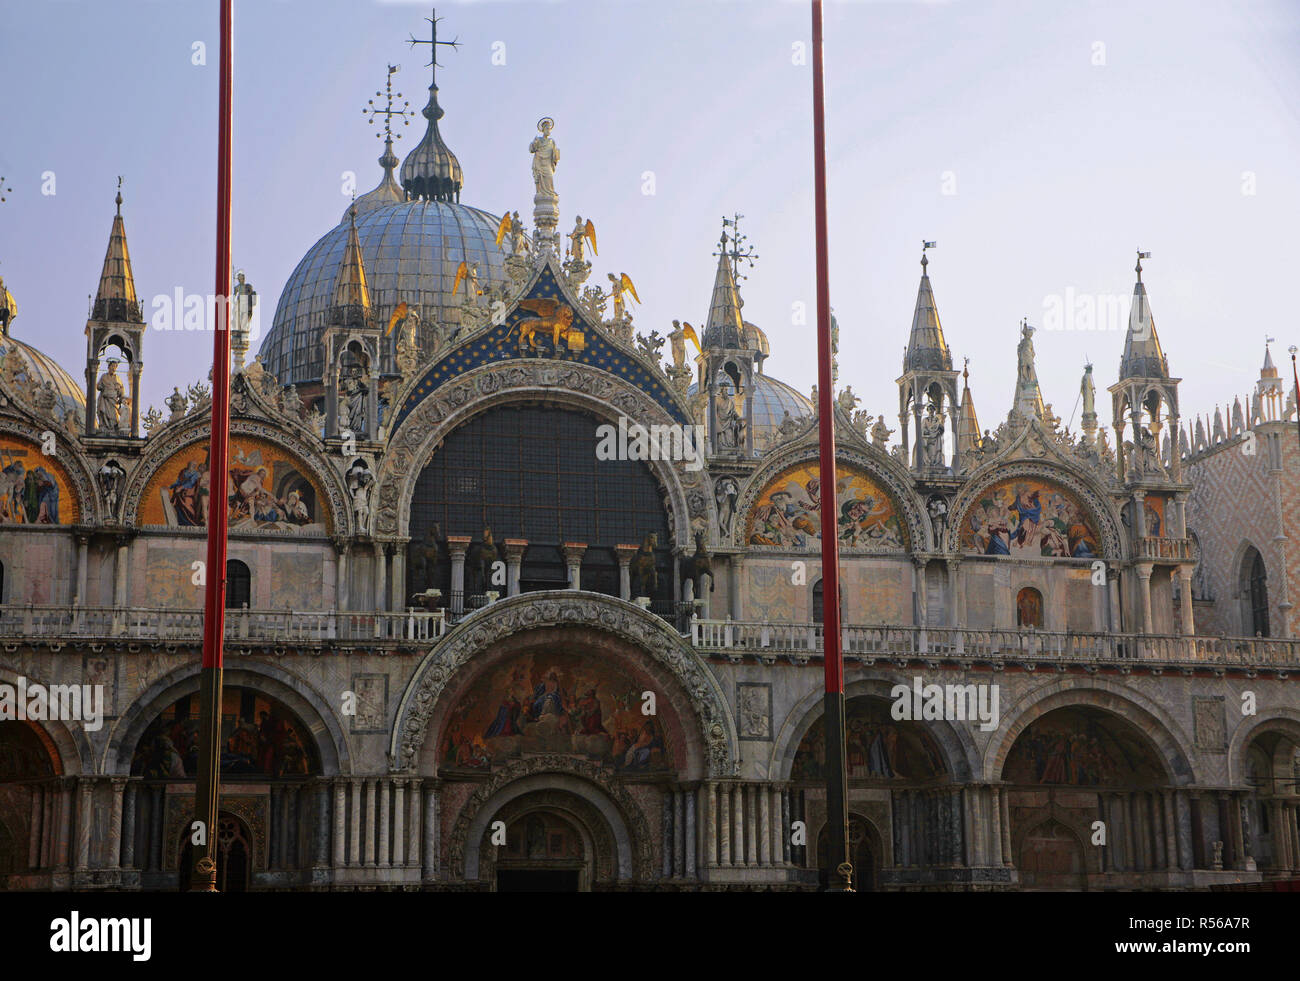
[1062,168]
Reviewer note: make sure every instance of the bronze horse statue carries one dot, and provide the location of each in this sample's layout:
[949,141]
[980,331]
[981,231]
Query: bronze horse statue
[487,558]
[645,577]
[701,563]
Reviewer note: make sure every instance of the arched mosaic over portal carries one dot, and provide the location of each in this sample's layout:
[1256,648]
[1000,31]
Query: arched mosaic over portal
[787,512]
[34,487]
[267,487]
[1029,517]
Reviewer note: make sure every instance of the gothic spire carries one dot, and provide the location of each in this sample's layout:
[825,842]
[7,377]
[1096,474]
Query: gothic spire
[1143,357]
[351,301]
[115,301]
[968,423]
[926,348]
[725,325]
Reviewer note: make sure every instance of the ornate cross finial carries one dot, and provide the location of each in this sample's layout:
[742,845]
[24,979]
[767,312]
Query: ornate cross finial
[388,112]
[1141,255]
[738,251]
[433,42]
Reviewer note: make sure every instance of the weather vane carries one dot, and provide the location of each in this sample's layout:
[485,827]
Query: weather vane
[739,250]
[1141,255]
[433,41]
[388,112]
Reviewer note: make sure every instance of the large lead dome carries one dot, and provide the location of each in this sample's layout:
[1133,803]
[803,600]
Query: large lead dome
[413,239]
[411,252]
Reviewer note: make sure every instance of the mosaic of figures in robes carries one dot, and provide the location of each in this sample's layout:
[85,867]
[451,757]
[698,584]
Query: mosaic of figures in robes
[1029,517]
[266,490]
[1081,747]
[788,512]
[877,747]
[34,489]
[259,736]
[572,704]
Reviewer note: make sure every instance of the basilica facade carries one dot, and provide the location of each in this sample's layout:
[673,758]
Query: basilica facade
[470,647]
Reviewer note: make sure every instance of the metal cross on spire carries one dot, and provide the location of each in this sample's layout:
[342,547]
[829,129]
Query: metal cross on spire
[433,42]
[388,112]
[739,250]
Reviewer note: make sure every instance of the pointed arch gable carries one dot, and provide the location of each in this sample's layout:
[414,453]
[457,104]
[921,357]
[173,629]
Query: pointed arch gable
[873,469]
[1041,476]
[284,451]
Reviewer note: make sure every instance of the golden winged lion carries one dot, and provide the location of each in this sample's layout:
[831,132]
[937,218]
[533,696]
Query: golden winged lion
[552,315]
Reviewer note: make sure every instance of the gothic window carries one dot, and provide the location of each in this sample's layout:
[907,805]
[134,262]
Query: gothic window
[239,585]
[1256,592]
[1029,608]
[532,472]
[819,603]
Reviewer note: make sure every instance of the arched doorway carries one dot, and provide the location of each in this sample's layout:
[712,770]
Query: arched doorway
[234,855]
[544,852]
[1268,814]
[28,822]
[865,854]
[1051,858]
[266,749]
[1070,768]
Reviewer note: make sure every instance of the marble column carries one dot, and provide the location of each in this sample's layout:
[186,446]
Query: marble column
[113,860]
[119,571]
[399,821]
[36,829]
[340,815]
[83,567]
[1005,823]
[778,831]
[724,825]
[709,818]
[384,788]
[1199,858]
[995,816]
[321,824]
[1144,595]
[1171,830]
[398,579]
[735,591]
[341,575]
[573,553]
[764,826]
[85,818]
[368,828]
[457,546]
[918,578]
[431,851]
[679,833]
[737,824]
[1186,611]
[414,833]
[381,576]
[956,594]
[154,843]
[515,548]
[692,833]
[666,834]
[128,824]
[354,825]
[1236,842]
[624,555]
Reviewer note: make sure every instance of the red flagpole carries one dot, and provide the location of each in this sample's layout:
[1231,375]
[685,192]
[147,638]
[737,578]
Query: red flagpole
[840,878]
[207,783]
